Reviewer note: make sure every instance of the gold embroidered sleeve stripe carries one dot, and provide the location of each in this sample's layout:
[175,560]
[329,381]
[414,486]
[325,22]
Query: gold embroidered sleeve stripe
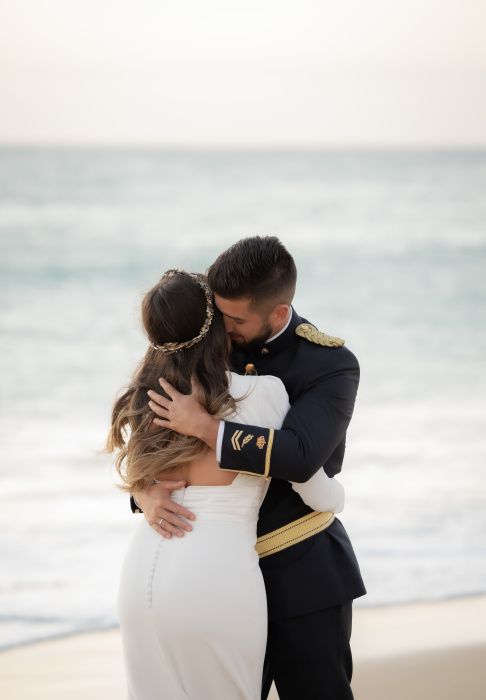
[268,455]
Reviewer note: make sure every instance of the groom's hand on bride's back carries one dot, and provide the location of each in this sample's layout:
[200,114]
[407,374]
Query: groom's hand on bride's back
[161,512]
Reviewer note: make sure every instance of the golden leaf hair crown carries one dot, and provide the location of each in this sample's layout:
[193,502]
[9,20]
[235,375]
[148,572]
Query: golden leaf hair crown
[171,347]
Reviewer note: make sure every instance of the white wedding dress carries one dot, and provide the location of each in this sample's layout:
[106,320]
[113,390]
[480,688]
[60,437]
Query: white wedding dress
[192,610]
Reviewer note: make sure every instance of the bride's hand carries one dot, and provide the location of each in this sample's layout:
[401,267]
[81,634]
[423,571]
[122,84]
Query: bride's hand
[165,516]
[183,413]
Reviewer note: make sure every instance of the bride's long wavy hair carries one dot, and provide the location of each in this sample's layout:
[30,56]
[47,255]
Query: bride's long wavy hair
[174,310]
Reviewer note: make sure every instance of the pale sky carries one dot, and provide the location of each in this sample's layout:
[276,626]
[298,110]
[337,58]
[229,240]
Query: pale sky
[266,72]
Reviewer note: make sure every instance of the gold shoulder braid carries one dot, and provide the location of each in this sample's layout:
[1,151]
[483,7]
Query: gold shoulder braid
[310,333]
[168,348]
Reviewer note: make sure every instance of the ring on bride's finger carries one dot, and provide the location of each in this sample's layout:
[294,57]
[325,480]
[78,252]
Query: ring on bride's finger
[161,521]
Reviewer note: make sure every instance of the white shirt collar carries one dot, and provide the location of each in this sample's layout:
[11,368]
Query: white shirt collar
[283,329]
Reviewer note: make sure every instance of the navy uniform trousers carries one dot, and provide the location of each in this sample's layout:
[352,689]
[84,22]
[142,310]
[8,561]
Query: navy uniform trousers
[309,657]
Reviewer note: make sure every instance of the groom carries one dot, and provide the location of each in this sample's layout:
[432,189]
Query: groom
[310,570]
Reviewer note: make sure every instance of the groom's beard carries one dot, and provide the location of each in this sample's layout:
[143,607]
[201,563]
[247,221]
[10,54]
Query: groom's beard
[250,346]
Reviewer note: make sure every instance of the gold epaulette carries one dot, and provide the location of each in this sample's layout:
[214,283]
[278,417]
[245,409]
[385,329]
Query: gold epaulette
[310,333]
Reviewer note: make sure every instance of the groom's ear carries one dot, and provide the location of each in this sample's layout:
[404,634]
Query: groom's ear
[279,314]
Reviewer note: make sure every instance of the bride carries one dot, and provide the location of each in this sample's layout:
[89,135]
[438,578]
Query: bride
[192,611]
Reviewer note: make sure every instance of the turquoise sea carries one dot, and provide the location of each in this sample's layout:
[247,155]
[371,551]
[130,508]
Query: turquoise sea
[391,252]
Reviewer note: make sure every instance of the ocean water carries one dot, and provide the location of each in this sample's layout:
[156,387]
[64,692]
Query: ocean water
[391,252]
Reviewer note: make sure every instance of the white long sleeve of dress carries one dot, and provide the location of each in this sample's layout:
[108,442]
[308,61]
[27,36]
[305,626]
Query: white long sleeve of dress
[321,492]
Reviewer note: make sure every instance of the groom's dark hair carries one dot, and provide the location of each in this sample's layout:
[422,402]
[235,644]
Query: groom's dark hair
[259,268]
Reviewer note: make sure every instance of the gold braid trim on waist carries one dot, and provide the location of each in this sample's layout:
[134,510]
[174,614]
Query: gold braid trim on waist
[292,533]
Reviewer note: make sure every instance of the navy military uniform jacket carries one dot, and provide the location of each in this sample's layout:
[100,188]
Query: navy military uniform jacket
[321,571]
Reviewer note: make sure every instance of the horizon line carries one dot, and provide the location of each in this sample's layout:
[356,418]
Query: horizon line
[232,146]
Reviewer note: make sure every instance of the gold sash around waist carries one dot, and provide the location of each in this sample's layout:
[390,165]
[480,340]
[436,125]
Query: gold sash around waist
[292,533]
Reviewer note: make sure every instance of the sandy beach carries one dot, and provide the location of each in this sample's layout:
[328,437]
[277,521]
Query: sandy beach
[423,651]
